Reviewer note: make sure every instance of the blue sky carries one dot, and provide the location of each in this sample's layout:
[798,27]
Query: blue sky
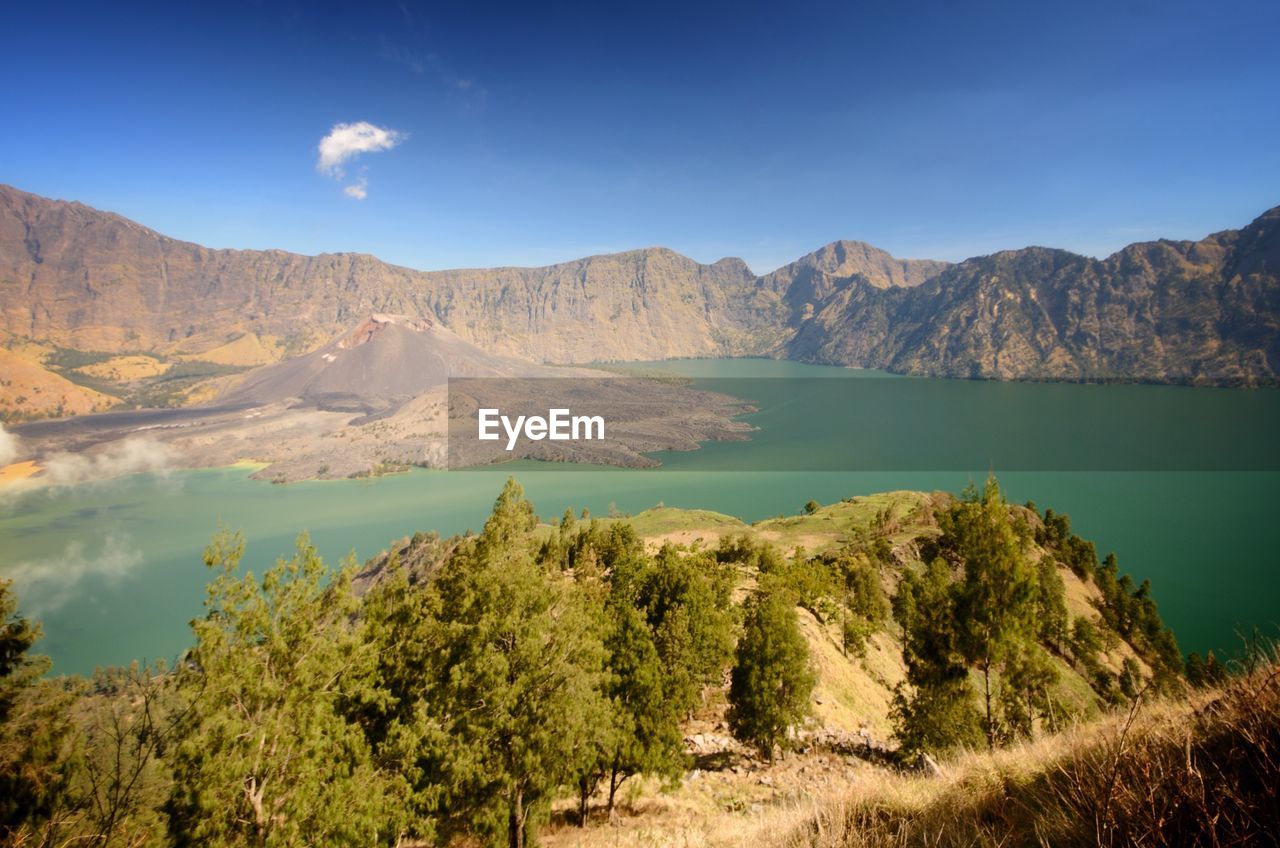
[533,133]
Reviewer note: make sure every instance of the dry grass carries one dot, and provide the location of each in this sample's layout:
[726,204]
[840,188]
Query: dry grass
[1199,772]
[246,349]
[29,390]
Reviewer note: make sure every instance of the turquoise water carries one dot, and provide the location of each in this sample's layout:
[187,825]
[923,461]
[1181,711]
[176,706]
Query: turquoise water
[113,570]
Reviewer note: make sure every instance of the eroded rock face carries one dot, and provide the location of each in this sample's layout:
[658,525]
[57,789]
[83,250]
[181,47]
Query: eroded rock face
[1194,312]
[96,281]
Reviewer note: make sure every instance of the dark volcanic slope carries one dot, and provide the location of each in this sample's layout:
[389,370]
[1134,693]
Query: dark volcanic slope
[1195,312]
[383,362]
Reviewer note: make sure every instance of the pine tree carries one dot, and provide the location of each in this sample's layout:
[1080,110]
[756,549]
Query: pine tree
[686,602]
[36,734]
[1051,613]
[268,756]
[18,669]
[647,726]
[1025,691]
[772,680]
[401,622]
[995,599]
[934,710]
[516,679]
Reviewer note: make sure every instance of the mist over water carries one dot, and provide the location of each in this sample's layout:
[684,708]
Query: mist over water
[131,456]
[8,446]
[50,583]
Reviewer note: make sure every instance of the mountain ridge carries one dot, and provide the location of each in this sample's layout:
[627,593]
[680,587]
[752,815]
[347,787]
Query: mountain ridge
[1195,312]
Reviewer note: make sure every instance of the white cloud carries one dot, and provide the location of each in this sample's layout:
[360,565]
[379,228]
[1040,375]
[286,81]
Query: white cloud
[359,189]
[347,141]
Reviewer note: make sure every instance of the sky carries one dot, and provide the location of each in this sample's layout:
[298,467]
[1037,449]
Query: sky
[438,135]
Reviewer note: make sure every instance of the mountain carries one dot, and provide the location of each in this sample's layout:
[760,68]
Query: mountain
[91,280]
[383,362]
[812,280]
[1205,312]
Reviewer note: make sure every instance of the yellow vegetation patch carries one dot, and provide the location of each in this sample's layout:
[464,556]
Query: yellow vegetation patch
[247,349]
[28,350]
[28,390]
[125,369]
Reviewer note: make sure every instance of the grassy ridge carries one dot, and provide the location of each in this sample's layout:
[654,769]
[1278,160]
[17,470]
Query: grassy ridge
[1202,771]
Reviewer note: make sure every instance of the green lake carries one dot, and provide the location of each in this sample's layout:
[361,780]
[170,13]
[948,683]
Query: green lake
[113,570]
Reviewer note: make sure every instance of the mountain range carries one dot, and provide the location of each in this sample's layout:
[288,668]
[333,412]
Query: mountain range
[119,296]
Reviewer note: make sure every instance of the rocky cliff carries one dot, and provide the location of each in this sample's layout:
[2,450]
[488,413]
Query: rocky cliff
[91,280]
[1205,312]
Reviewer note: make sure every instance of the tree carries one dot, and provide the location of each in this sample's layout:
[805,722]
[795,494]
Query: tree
[648,738]
[1086,643]
[1205,671]
[644,736]
[854,633]
[1052,618]
[37,757]
[811,507]
[934,710]
[515,678]
[865,606]
[1025,693]
[685,599]
[18,669]
[400,618]
[128,720]
[865,593]
[1215,673]
[1195,670]
[267,755]
[772,681]
[995,601]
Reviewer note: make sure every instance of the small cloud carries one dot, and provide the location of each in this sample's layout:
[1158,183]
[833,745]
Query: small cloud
[359,189]
[347,141]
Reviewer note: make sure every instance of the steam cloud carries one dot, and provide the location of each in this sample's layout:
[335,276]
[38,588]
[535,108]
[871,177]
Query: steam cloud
[131,456]
[8,446]
[47,584]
